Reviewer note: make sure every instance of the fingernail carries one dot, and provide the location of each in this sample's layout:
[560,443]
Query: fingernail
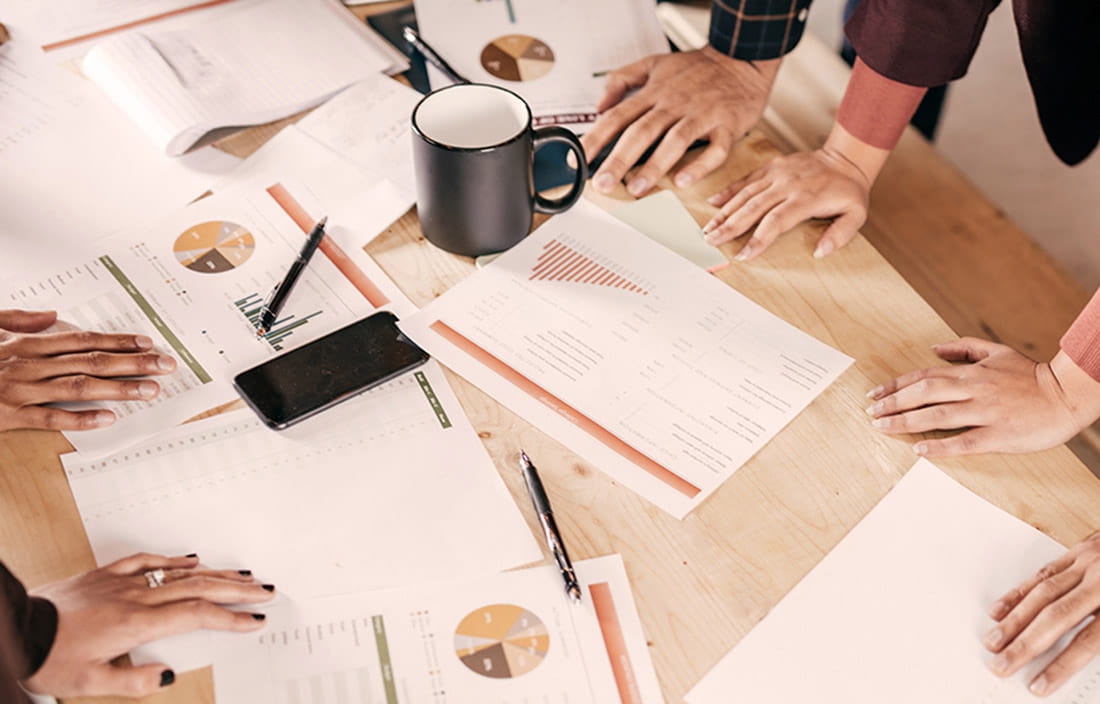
[684,180]
[1040,686]
[709,226]
[880,422]
[875,392]
[921,449]
[167,677]
[993,639]
[744,254]
[604,182]
[638,186]
[103,419]
[269,587]
[823,250]
[245,573]
[191,554]
[873,409]
[144,342]
[997,611]
[259,617]
[1000,664]
[147,389]
[165,363]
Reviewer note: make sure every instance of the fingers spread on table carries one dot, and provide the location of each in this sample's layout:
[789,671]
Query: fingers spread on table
[196,614]
[81,387]
[901,382]
[972,442]
[623,80]
[942,416]
[1039,596]
[213,589]
[635,140]
[922,392]
[966,349]
[782,218]
[101,364]
[842,230]
[710,158]
[670,150]
[610,124]
[751,211]
[1006,603]
[104,680]
[1052,622]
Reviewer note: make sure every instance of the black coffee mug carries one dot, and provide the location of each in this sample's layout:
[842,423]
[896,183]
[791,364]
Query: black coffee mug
[474,147]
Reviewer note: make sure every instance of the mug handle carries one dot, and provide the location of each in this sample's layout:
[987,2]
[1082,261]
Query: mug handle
[548,135]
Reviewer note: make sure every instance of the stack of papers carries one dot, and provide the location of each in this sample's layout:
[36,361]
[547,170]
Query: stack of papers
[256,61]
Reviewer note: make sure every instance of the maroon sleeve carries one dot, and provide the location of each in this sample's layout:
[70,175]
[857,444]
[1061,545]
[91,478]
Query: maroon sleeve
[1082,341]
[33,622]
[919,42]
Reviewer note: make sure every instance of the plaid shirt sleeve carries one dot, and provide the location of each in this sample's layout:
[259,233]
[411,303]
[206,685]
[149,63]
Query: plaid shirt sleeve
[755,30]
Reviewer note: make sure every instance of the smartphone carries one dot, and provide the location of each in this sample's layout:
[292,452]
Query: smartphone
[334,368]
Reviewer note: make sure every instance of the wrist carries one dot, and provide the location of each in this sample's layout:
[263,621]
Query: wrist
[868,160]
[1080,392]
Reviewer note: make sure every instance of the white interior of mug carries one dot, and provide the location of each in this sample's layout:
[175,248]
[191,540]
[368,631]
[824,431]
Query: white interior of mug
[471,116]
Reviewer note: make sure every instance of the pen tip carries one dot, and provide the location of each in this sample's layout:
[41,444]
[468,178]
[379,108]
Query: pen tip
[523,456]
[575,594]
[322,222]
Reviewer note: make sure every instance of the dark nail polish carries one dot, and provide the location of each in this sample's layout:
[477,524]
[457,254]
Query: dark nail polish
[167,677]
[269,587]
[259,617]
[245,573]
[192,554]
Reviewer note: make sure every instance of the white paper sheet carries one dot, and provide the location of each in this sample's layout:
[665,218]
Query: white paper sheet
[510,638]
[72,167]
[193,280]
[388,489]
[256,61]
[555,55]
[656,372]
[897,611]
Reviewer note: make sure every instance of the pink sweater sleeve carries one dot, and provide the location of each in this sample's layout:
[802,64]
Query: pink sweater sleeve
[1082,341]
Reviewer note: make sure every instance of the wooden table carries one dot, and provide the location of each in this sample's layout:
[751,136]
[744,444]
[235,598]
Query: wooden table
[701,583]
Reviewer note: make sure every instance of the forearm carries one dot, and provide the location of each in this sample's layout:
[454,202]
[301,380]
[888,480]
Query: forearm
[1081,343]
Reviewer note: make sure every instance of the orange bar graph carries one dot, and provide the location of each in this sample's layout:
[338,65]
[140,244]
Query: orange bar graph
[560,262]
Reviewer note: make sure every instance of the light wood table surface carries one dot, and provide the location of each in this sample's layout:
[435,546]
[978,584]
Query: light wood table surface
[702,583]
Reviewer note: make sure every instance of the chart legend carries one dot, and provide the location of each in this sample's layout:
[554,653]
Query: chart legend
[562,262]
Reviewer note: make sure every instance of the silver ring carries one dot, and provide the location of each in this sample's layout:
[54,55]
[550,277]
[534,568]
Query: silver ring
[154,578]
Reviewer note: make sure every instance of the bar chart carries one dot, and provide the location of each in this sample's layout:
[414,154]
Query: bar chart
[250,307]
[562,261]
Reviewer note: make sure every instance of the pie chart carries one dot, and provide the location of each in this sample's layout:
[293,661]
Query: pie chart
[517,57]
[214,247]
[501,641]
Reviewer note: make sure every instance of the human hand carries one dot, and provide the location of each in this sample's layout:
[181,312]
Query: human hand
[107,612]
[1011,403]
[39,367]
[791,189]
[1033,616]
[682,97]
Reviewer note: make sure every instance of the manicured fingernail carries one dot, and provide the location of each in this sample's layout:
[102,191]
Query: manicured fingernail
[245,573]
[880,422]
[921,449]
[823,250]
[997,611]
[165,363]
[604,182]
[103,419]
[147,389]
[684,180]
[259,617]
[191,554]
[1000,664]
[872,410]
[744,254]
[143,342]
[638,186]
[993,639]
[1040,686]
[875,392]
[167,677]
[709,226]
[269,587]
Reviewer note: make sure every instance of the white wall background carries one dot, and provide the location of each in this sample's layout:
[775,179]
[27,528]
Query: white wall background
[991,131]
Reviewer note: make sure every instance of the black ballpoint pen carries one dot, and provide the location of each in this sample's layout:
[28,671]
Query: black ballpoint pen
[429,54]
[280,293]
[549,527]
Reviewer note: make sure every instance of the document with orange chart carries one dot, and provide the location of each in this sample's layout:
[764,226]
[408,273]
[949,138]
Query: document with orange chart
[653,370]
[512,638]
[194,282]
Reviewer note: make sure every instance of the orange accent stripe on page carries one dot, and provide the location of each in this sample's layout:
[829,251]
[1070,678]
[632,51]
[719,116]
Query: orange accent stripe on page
[615,642]
[335,254]
[564,410]
[135,23]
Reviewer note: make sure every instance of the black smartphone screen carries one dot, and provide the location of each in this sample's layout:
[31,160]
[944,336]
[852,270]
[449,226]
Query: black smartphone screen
[324,372]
